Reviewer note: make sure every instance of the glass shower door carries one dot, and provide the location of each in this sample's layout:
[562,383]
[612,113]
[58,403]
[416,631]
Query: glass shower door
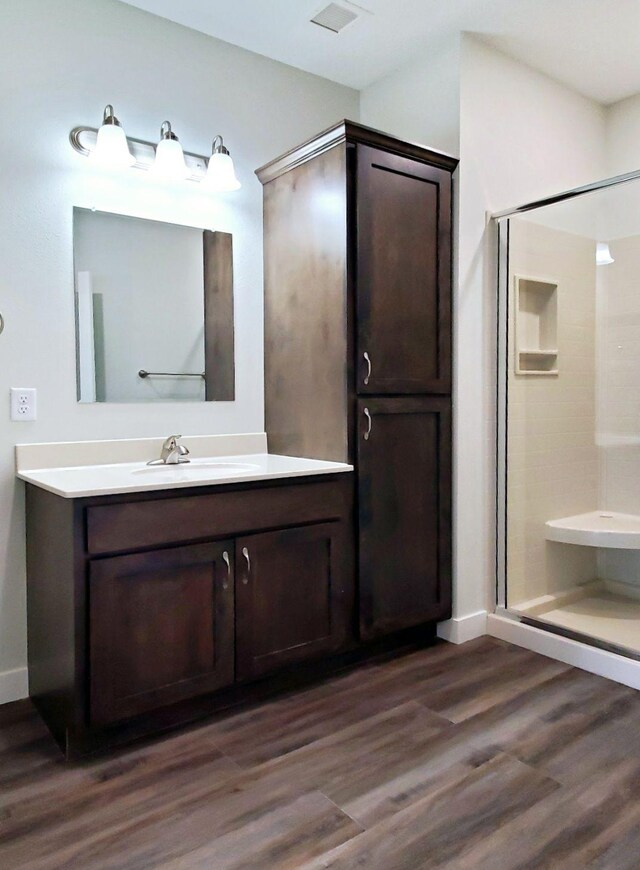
[569,421]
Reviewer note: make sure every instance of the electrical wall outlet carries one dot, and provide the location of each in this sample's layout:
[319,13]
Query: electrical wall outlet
[23,403]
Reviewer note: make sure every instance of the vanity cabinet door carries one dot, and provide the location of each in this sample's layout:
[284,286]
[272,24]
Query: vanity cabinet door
[404,453]
[403,275]
[290,593]
[161,628]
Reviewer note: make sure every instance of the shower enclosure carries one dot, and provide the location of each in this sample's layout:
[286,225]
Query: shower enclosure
[569,414]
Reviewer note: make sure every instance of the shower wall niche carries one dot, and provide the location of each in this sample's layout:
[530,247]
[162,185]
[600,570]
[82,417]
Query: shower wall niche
[536,313]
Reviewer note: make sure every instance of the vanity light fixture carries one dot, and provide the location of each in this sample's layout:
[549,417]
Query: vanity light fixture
[603,254]
[169,160]
[112,149]
[221,175]
[109,145]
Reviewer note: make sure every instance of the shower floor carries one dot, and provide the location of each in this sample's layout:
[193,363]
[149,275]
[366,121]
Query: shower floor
[609,617]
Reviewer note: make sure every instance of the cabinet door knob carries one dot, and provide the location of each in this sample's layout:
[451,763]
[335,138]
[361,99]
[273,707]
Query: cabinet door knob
[245,553]
[227,562]
[369,424]
[367,359]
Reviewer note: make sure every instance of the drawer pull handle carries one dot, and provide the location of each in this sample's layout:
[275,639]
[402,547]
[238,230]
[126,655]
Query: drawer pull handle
[227,562]
[367,359]
[369,424]
[245,553]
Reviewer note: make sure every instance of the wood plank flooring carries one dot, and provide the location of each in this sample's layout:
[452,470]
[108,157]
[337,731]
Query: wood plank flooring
[479,756]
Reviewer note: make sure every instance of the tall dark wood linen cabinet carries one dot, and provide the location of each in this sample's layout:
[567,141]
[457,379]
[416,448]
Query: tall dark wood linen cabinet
[358,238]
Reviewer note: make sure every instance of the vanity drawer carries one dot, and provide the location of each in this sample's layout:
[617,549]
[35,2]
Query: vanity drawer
[136,525]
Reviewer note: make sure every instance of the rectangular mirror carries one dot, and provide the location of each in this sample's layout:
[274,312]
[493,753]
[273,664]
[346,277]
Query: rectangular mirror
[154,310]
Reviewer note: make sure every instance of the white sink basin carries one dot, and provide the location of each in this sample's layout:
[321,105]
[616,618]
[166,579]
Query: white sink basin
[198,466]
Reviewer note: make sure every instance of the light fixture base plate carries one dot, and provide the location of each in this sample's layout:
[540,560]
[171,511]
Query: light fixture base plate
[83,140]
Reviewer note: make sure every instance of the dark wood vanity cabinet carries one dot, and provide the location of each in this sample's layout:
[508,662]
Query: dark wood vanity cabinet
[358,321]
[174,623]
[141,604]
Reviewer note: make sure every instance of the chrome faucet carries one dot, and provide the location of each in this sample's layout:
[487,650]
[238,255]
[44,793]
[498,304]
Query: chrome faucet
[172,453]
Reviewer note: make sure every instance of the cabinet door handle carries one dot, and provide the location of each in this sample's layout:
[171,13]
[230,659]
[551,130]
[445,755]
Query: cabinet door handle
[245,553]
[367,359]
[369,424]
[227,562]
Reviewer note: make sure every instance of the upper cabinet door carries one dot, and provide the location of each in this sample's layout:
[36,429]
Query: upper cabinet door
[161,628]
[403,275]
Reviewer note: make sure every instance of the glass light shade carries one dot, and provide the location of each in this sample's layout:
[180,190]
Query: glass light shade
[169,162]
[221,175]
[603,254]
[112,148]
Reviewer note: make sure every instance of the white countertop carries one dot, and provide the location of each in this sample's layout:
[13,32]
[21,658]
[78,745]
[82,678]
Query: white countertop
[91,480]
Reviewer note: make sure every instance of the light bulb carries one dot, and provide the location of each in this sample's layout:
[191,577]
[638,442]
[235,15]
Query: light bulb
[603,254]
[112,149]
[220,176]
[169,162]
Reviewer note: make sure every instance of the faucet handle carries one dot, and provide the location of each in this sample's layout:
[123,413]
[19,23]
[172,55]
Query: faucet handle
[171,442]
[171,452]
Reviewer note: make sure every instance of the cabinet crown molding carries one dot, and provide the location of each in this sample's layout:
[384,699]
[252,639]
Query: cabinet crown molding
[351,132]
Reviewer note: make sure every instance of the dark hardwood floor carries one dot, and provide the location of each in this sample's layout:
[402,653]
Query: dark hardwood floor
[480,756]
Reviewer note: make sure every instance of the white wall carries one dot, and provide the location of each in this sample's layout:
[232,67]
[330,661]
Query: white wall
[619,400]
[421,101]
[522,136]
[623,136]
[60,64]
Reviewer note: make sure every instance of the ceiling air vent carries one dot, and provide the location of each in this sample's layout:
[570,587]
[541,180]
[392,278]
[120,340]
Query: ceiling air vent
[334,17]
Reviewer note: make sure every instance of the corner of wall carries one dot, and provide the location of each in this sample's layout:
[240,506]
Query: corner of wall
[419,101]
[622,121]
[464,628]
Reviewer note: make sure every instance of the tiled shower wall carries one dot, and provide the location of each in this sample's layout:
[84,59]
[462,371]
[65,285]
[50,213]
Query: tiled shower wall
[552,454]
[619,398]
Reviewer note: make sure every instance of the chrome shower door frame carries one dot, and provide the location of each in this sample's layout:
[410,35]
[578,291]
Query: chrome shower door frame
[501,221]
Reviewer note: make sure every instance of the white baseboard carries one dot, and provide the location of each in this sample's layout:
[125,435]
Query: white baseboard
[464,628]
[563,649]
[14,685]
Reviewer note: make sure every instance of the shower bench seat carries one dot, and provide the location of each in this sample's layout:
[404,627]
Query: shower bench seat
[597,529]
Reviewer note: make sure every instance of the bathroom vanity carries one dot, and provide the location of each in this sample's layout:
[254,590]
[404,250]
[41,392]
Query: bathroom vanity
[158,594]
[142,600]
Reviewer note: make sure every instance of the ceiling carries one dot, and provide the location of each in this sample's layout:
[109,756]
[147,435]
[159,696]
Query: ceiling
[590,45]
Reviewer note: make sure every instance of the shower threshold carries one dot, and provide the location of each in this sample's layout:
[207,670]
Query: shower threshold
[598,613]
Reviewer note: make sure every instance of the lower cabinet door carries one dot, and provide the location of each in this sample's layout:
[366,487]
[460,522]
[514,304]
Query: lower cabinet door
[290,597]
[161,628]
[404,481]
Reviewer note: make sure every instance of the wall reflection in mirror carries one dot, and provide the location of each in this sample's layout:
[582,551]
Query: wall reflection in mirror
[154,310]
